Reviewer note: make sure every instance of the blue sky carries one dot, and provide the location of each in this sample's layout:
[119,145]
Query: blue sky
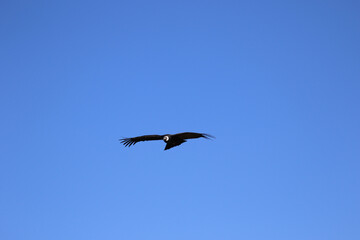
[277,83]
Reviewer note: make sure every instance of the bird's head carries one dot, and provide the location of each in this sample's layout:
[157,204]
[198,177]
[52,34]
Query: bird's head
[166,138]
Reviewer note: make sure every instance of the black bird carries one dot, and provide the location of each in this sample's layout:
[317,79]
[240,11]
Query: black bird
[172,140]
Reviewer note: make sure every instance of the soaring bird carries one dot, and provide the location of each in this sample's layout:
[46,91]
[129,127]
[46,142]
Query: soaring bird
[171,140]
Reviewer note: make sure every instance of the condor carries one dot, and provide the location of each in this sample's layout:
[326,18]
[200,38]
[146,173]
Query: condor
[171,140]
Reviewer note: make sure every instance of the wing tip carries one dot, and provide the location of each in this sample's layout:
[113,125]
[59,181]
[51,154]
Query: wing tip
[127,142]
[208,136]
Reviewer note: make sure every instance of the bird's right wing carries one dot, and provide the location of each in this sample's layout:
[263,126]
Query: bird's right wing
[131,141]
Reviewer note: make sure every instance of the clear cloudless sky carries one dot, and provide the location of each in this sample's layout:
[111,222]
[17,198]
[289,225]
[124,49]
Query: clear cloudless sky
[276,82]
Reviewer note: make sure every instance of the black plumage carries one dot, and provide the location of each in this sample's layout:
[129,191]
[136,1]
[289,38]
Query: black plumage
[171,140]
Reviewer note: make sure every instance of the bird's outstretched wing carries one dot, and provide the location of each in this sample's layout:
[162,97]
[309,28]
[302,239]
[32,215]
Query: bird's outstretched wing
[189,135]
[131,141]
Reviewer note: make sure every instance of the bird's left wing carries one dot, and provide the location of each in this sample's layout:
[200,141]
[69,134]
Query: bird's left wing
[131,141]
[189,135]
